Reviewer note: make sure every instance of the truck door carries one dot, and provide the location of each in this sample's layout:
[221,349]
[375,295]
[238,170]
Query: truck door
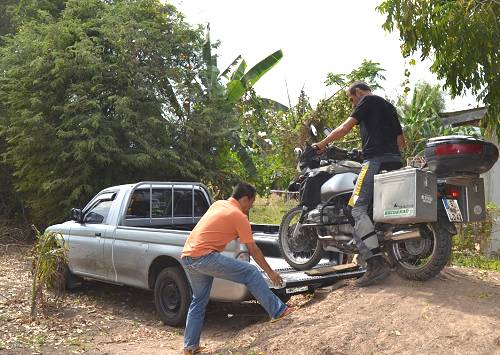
[86,242]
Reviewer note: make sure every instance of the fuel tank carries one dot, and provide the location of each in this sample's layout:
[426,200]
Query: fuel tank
[339,183]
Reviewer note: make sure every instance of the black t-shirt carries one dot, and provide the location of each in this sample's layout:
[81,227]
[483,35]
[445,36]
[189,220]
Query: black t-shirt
[379,126]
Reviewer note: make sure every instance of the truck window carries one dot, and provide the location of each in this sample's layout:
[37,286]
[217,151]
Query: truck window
[139,205]
[98,213]
[162,203]
[183,200]
[200,203]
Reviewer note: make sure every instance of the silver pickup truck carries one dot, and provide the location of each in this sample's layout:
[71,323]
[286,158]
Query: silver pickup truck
[134,234]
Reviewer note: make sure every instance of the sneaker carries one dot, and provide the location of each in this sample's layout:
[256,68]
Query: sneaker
[288,310]
[376,270]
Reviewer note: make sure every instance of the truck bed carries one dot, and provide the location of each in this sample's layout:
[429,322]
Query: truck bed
[298,281]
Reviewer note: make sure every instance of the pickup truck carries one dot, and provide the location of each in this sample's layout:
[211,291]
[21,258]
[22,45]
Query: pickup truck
[134,234]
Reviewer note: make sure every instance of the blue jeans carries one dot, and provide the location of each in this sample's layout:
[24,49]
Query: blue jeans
[364,232]
[201,272]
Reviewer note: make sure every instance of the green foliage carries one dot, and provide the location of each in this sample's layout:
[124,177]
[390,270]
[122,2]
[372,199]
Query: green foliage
[462,38]
[473,238]
[49,260]
[370,72]
[270,210]
[87,103]
[261,132]
[235,158]
[270,136]
[337,108]
[6,9]
[419,118]
[476,261]
[472,241]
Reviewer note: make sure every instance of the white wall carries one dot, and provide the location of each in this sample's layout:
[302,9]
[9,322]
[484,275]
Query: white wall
[492,191]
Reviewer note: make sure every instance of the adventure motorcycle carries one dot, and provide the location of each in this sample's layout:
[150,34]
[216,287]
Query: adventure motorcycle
[415,208]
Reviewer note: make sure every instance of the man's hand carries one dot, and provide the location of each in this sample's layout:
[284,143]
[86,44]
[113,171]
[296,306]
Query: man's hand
[275,278]
[257,255]
[320,147]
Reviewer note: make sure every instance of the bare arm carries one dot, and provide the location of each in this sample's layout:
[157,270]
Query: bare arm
[257,255]
[338,132]
[401,141]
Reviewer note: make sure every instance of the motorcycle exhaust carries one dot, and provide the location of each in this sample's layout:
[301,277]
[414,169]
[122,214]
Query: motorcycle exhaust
[339,238]
[402,235]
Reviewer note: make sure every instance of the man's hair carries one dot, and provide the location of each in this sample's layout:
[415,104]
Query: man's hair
[243,189]
[358,85]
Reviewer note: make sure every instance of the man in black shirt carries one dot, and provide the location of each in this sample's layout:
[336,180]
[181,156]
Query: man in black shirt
[382,139]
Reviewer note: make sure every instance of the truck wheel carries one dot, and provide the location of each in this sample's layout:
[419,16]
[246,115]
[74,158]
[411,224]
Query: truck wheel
[65,280]
[71,281]
[172,296]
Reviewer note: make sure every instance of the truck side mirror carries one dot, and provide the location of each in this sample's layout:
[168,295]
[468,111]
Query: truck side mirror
[77,215]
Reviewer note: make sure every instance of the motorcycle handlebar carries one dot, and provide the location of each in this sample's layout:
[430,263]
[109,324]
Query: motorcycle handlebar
[311,157]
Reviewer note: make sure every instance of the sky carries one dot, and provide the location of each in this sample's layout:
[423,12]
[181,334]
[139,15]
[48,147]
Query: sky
[316,37]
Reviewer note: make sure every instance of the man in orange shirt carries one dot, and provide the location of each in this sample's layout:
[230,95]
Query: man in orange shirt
[223,222]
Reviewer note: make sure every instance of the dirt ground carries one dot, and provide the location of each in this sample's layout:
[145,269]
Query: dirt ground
[458,312]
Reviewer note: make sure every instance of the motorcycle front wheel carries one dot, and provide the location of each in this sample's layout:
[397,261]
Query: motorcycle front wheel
[423,258]
[301,249]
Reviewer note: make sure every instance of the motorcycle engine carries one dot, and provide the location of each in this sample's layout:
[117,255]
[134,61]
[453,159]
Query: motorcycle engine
[333,225]
[330,214]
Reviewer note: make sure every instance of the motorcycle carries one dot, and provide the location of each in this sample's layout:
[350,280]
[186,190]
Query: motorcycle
[415,239]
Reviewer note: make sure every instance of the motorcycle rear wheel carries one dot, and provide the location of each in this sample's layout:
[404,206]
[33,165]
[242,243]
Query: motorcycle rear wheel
[310,249]
[424,258]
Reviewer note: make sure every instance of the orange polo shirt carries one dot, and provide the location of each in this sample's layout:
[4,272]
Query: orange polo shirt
[222,223]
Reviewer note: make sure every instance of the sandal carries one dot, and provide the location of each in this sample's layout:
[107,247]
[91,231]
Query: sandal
[198,350]
[288,310]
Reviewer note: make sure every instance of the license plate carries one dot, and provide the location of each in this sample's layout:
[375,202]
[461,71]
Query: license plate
[291,290]
[452,210]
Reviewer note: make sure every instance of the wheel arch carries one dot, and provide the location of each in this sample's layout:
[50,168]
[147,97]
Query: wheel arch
[159,263]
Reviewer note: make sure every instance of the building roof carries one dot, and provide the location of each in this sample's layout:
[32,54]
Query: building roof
[459,118]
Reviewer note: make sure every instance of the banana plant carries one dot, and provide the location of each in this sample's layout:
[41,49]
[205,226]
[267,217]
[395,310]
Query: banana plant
[238,81]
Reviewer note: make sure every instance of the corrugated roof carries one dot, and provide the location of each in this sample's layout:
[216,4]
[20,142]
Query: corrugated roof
[458,118]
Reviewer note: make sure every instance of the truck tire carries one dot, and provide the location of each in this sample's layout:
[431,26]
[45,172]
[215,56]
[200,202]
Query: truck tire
[71,281]
[65,280]
[172,296]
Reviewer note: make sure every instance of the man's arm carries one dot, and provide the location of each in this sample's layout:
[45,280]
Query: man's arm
[337,133]
[401,142]
[257,255]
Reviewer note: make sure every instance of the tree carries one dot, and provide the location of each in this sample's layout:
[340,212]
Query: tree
[223,99]
[6,9]
[272,136]
[86,101]
[420,120]
[462,37]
